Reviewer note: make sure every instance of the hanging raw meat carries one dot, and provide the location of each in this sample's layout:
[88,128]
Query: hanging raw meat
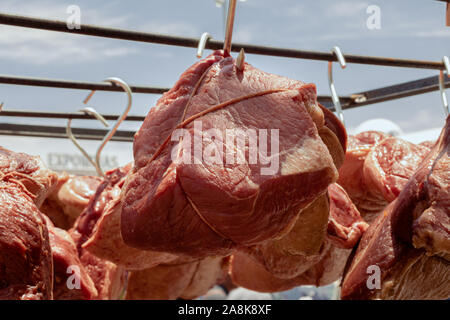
[376,168]
[211,207]
[283,264]
[70,281]
[301,248]
[177,280]
[389,165]
[410,242]
[25,256]
[351,173]
[26,269]
[69,199]
[109,279]
[106,241]
[28,171]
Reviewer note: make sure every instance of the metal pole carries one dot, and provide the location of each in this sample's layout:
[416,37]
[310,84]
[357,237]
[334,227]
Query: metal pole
[91,30]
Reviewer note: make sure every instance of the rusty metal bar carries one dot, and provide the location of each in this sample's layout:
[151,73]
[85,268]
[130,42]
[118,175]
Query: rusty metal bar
[98,31]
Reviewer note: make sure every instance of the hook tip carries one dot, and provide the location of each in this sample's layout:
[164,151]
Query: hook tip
[240,60]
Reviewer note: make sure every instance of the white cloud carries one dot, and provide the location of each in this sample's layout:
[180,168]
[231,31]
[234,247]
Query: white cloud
[296,10]
[42,47]
[440,33]
[424,118]
[243,35]
[173,28]
[343,9]
[57,10]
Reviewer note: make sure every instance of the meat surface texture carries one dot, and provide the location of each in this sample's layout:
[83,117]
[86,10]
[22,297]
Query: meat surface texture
[106,241]
[210,208]
[71,280]
[300,249]
[30,172]
[376,168]
[26,269]
[109,278]
[343,230]
[168,282]
[25,256]
[409,242]
[69,199]
[351,173]
[389,165]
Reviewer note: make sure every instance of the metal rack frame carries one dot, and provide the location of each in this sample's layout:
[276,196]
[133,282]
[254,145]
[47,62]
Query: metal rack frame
[401,90]
[114,33]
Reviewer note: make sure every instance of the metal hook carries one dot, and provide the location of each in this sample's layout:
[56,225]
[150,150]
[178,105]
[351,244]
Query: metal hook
[113,130]
[442,85]
[202,43]
[94,113]
[334,95]
[229,27]
[240,60]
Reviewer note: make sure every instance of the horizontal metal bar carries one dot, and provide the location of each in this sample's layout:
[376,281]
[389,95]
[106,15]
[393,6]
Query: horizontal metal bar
[402,90]
[360,99]
[393,92]
[102,86]
[98,31]
[71,84]
[81,115]
[39,131]
[64,115]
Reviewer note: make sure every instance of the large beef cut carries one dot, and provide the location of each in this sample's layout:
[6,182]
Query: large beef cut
[409,243]
[283,264]
[187,280]
[109,278]
[26,269]
[69,199]
[201,203]
[376,168]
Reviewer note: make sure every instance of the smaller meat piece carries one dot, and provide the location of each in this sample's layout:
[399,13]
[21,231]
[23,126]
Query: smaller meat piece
[71,280]
[29,171]
[389,165]
[26,270]
[351,173]
[376,169]
[109,279]
[69,199]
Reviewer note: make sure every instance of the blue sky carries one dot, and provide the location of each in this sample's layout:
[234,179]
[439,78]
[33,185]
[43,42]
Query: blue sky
[409,29]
